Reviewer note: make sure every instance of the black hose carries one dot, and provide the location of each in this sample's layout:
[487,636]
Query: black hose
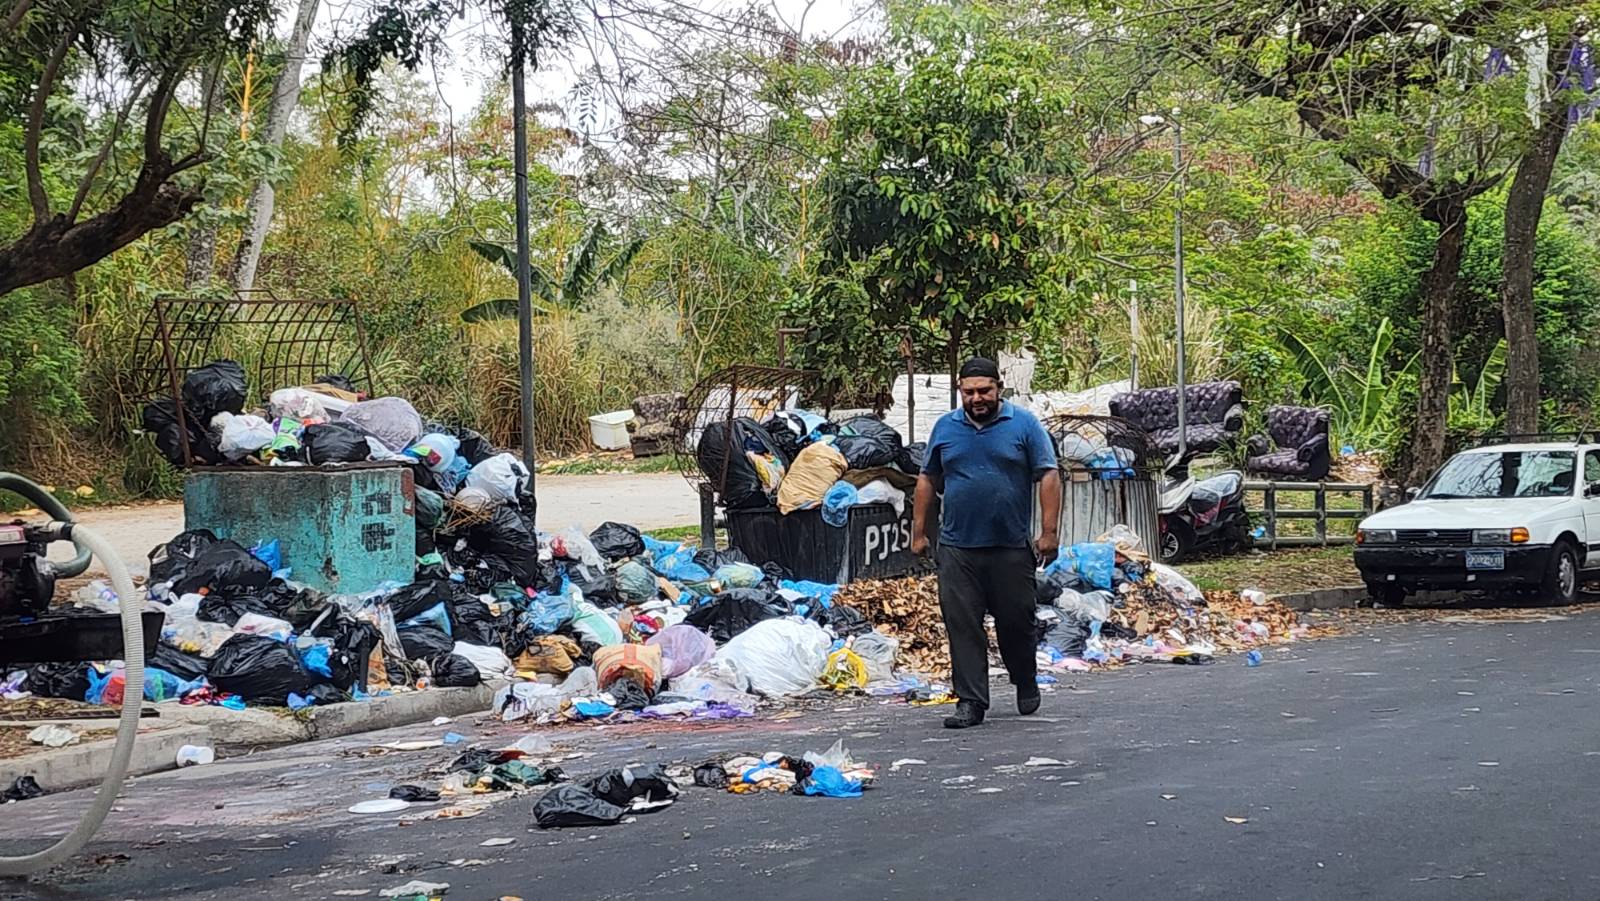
[44,500]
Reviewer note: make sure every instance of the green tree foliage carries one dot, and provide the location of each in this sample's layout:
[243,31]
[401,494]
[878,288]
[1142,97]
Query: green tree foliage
[936,211]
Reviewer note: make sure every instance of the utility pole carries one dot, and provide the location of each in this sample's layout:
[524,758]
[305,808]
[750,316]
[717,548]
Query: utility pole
[519,125]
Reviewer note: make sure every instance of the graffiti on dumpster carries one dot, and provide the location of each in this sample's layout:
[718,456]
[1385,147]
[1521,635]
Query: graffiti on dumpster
[376,536]
[880,543]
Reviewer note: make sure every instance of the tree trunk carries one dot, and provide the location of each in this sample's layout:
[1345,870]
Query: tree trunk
[1438,360]
[200,259]
[1524,205]
[285,93]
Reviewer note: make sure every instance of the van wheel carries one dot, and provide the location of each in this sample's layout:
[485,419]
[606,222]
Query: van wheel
[1561,577]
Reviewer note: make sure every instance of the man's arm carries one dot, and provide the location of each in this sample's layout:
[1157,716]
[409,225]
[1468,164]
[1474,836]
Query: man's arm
[1050,513]
[922,502]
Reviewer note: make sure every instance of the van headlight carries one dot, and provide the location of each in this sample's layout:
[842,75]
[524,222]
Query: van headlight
[1375,536]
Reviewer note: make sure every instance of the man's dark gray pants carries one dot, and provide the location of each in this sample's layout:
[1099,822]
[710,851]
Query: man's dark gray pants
[999,582]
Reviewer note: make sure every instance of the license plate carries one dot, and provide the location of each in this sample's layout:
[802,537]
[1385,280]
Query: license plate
[1486,560]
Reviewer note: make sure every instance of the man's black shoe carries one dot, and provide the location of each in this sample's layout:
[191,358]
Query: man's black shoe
[967,714]
[1027,699]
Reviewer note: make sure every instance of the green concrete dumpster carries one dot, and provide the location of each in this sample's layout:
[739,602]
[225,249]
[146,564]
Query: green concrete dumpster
[343,529]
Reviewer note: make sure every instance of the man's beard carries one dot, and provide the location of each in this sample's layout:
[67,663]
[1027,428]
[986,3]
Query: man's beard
[983,418]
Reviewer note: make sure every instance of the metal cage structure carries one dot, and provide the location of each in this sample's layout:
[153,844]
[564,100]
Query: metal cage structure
[289,340]
[734,393]
[1110,475]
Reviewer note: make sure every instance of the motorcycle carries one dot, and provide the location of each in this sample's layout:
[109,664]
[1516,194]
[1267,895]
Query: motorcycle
[1202,516]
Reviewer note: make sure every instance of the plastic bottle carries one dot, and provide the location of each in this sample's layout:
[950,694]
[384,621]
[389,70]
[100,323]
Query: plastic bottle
[98,595]
[1252,659]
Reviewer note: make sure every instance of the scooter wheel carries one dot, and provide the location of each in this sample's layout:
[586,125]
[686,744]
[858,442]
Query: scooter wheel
[1177,541]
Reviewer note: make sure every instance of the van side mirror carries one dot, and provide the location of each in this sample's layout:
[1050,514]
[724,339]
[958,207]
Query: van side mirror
[1411,493]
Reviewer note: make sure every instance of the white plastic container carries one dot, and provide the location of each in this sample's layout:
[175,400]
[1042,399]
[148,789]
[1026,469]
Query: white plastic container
[610,430]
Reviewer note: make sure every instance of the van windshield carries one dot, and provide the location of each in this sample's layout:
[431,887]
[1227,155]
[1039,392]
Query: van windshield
[1506,474]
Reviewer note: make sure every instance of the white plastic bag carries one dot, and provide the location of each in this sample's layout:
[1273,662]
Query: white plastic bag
[877,651]
[881,492]
[501,477]
[577,546]
[391,420]
[241,436]
[1172,580]
[298,403]
[492,663]
[522,700]
[1093,606]
[270,626]
[779,656]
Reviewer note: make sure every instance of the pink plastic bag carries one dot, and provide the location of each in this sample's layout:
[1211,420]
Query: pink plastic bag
[683,647]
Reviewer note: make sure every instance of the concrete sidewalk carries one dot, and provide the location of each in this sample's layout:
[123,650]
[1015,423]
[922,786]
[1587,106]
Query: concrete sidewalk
[646,500]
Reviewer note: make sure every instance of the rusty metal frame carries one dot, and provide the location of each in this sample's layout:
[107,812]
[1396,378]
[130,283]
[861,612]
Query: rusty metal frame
[299,339]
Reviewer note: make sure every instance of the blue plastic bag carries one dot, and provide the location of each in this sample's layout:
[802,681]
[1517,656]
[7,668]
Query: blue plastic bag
[1094,562]
[593,709]
[270,553]
[828,782]
[817,590]
[549,612]
[296,702]
[436,616]
[837,502]
[315,659]
[160,685]
[675,562]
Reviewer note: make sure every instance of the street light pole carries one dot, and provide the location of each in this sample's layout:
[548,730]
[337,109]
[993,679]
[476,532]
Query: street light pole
[519,123]
[1177,290]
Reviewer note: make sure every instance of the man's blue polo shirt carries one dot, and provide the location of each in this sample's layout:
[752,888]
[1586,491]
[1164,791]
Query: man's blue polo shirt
[987,474]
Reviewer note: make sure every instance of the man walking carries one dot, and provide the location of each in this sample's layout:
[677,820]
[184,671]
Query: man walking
[986,458]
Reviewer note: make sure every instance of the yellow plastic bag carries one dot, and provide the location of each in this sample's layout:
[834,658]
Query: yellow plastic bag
[845,671]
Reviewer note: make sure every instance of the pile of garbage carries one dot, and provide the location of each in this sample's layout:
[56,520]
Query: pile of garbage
[1098,604]
[797,460]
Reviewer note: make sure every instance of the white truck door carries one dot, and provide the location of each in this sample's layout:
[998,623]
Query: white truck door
[1590,500]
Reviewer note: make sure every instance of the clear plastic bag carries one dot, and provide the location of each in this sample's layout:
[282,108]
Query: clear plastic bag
[683,647]
[877,651]
[1093,606]
[1172,580]
[243,435]
[575,545]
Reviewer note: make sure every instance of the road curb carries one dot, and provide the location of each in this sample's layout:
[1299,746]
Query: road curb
[83,764]
[1336,598]
[252,729]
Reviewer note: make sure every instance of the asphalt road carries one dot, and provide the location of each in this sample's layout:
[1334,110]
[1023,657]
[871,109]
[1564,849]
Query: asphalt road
[1448,760]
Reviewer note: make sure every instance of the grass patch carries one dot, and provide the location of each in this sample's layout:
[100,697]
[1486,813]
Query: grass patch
[1276,572]
[606,464]
[686,534]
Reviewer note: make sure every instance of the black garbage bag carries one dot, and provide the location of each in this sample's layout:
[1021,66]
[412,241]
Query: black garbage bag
[629,695]
[911,457]
[425,642]
[879,431]
[734,611]
[336,380]
[168,561]
[712,559]
[599,585]
[711,775]
[845,620]
[214,388]
[421,595]
[334,442]
[453,671]
[1070,636]
[182,664]
[224,567]
[23,788]
[160,419]
[299,606]
[414,794]
[617,541]
[1048,589]
[58,680]
[259,669]
[353,642]
[620,786]
[507,546]
[326,693]
[574,805]
[865,451]
[742,488]
[227,608]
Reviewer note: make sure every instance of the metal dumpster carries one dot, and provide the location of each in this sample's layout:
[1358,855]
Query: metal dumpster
[875,543]
[343,529]
[1109,477]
